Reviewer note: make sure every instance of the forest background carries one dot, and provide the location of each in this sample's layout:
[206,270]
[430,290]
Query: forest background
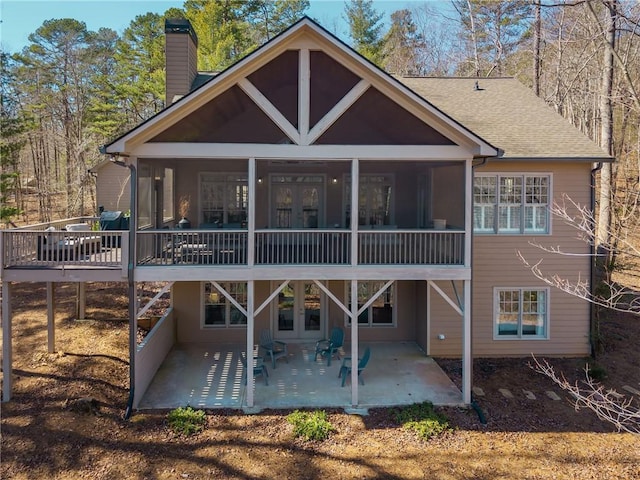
[71,90]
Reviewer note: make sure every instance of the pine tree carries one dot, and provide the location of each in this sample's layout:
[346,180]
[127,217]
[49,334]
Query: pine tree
[365,28]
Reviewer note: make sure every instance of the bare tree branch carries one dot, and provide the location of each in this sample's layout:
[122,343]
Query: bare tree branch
[615,297]
[608,405]
[610,295]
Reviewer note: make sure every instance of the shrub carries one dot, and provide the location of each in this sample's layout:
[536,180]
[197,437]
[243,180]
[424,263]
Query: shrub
[596,371]
[310,425]
[422,419]
[186,420]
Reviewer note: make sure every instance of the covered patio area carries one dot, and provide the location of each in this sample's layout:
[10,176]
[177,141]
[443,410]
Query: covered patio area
[211,376]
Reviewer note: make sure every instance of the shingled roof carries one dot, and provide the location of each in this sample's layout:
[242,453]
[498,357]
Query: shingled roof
[508,115]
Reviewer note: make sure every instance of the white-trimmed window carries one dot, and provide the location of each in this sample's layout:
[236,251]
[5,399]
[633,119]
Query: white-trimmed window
[223,199]
[521,313]
[511,204]
[218,310]
[381,312]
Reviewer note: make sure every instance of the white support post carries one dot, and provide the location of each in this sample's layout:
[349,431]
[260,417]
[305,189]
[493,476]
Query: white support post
[468,213]
[354,341]
[51,317]
[250,329]
[81,301]
[428,319]
[355,183]
[466,345]
[251,218]
[7,354]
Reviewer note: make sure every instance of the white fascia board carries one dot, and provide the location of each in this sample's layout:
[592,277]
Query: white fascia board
[302,152]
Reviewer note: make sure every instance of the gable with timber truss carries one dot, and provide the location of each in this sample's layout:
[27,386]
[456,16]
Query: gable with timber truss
[266,106]
[304,88]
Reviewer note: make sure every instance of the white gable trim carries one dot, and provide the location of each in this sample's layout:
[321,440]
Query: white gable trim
[304,35]
[338,109]
[267,107]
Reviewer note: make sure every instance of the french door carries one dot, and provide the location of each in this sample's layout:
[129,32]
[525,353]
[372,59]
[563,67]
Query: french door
[299,311]
[296,201]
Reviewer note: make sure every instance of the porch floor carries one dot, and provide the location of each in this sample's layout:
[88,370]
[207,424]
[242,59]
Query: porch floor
[210,376]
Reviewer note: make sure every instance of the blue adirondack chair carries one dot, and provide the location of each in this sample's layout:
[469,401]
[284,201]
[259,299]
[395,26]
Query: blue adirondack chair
[274,349]
[330,346]
[259,368]
[345,369]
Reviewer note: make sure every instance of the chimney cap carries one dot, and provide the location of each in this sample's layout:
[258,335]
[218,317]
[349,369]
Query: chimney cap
[180,25]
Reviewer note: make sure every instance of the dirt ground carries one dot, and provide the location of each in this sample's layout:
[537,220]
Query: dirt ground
[48,432]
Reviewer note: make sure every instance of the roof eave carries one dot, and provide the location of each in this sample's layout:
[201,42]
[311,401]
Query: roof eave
[581,159]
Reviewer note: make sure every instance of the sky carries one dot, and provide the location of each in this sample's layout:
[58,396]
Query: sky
[20,18]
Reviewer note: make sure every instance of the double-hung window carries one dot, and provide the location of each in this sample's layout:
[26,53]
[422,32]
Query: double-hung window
[521,313]
[219,311]
[511,204]
[380,312]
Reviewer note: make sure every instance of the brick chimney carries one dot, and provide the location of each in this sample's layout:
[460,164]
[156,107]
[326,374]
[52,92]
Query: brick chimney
[181,57]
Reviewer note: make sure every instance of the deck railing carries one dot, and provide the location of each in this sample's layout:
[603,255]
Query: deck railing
[411,247]
[192,247]
[28,249]
[300,247]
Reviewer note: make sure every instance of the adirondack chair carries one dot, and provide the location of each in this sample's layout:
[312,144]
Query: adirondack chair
[259,368]
[330,346]
[345,369]
[273,349]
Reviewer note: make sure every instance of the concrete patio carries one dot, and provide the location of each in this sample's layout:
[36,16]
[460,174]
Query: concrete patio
[210,376]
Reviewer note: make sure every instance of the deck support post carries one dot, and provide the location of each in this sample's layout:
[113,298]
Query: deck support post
[7,354]
[355,185]
[354,343]
[466,345]
[51,317]
[81,301]
[249,350]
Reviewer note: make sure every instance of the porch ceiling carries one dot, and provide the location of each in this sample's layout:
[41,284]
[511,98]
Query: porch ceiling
[210,376]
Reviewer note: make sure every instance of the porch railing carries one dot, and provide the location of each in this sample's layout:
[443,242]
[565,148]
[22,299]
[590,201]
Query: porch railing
[411,247]
[30,248]
[303,247]
[192,247]
[300,247]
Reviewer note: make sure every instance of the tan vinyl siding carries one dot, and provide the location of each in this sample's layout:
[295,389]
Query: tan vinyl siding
[405,305]
[444,320]
[187,304]
[496,265]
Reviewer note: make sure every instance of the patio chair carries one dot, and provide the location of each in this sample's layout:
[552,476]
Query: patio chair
[273,349]
[330,346]
[259,368]
[345,369]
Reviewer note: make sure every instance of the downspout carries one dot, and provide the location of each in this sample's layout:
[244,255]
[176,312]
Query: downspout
[592,270]
[474,404]
[133,334]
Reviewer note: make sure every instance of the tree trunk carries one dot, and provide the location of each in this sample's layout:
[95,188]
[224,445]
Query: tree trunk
[536,49]
[603,233]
